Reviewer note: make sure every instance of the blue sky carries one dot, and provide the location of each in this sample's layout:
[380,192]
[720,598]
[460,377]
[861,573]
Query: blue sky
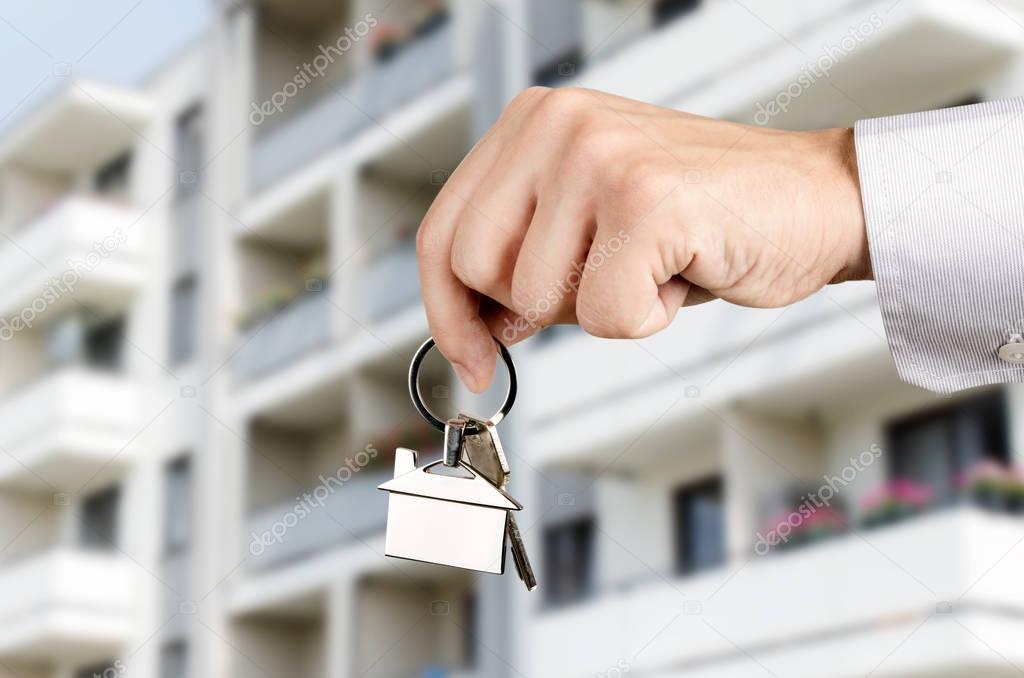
[117,41]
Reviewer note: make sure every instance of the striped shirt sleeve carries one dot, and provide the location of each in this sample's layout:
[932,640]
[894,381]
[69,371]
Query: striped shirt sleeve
[943,195]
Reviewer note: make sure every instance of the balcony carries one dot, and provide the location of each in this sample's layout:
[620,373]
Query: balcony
[278,535]
[68,426]
[852,599]
[918,55]
[68,606]
[353,107]
[81,126]
[391,281]
[303,325]
[80,249]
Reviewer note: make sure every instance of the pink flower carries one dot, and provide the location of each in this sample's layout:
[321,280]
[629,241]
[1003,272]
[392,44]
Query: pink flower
[987,473]
[899,492]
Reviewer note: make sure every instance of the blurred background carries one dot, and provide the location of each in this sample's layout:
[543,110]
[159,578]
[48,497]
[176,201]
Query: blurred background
[209,300]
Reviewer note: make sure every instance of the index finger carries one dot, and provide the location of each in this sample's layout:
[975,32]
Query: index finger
[453,309]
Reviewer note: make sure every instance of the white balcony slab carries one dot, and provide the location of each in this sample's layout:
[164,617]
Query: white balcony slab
[309,387]
[79,250]
[67,606]
[886,57]
[837,608]
[67,427]
[80,126]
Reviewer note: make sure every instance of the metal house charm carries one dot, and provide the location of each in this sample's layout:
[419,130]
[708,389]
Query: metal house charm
[458,520]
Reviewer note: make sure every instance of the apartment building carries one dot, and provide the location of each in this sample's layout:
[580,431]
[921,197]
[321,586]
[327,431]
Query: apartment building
[209,307]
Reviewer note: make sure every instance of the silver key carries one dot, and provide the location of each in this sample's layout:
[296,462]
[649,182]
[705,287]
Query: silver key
[519,557]
[483,451]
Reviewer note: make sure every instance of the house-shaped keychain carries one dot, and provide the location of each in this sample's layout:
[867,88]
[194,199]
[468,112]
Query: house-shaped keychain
[437,517]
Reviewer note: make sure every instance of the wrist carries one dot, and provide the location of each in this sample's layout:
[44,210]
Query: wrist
[848,217]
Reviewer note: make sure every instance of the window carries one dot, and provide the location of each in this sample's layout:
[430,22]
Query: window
[99,519]
[556,55]
[114,178]
[178,504]
[174,660]
[560,69]
[569,561]
[668,10]
[471,617]
[104,343]
[110,668]
[184,307]
[934,447]
[188,144]
[699,525]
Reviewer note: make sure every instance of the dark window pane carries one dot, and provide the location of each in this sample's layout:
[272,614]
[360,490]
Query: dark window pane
[569,561]
[174,660]
[936,447]
[184,307]
[559,70]
[104,344]
[114,178]
[178,504]
[188,146]
[99,520]
[469,629]
[699,526]
[105,670]
[667,10]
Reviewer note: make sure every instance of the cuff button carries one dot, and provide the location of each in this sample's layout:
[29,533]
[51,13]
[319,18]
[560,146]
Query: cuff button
[1013,352]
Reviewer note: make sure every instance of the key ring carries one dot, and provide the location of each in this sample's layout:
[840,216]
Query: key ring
[434,420]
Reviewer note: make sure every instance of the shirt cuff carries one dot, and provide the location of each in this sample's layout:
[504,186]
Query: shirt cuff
[943,195]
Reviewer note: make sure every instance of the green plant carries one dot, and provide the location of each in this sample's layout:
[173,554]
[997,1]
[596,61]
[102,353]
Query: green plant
[894,501]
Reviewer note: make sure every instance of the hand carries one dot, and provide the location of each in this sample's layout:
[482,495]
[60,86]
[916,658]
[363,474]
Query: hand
[584,207]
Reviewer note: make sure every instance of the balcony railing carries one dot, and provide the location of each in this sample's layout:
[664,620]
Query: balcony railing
[267,345]
[338,115]
[66,605]
[891,575]
[392,281]
[282,534]
[91,252]
[60,430]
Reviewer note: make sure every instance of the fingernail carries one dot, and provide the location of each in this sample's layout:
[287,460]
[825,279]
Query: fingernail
[466,377]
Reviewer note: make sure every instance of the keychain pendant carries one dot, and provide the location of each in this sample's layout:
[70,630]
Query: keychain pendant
[449,512]
[457,520]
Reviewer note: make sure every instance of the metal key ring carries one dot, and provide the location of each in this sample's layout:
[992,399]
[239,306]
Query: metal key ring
[434,420]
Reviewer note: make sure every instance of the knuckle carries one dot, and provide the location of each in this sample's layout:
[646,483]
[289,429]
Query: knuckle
[643,184]
[560,105]
[605,317]
[464,266]
[428,240]
[593,147]
[476,266]
[529,94]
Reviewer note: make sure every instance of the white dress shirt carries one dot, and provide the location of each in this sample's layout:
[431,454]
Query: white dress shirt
[943,195]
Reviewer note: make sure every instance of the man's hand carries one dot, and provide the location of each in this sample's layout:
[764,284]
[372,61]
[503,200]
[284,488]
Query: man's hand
[583,207]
